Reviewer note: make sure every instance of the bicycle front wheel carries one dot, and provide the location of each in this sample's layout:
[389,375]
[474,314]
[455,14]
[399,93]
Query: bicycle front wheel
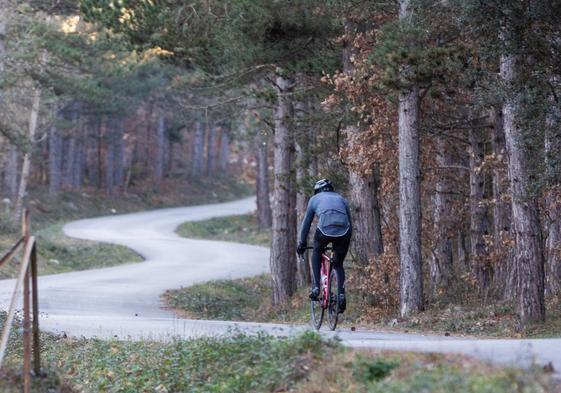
[333,307]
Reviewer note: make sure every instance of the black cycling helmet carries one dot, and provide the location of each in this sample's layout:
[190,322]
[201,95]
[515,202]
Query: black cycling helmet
[323,185]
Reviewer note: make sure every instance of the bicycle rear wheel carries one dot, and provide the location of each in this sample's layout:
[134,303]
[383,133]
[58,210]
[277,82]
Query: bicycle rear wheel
[333,307]
[317,311]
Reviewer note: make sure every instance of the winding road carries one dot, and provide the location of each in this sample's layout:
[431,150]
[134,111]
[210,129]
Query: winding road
[125,301]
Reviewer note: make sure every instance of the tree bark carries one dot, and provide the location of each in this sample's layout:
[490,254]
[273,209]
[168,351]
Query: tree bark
[264,216]
[160,147]
[411,277]
[479,215]
[109,166]
[441,262]
[553,194]
[55,160]
[79,160]
[68,156]
[504,278]
[282,264]
[302,164]
[526,222]
[11,175]
[224,157]
[367,230]
[119,152]
[212,160]
[26,167]
[92,146]
[367,223]
[461,250]
[198,150]
[4,7]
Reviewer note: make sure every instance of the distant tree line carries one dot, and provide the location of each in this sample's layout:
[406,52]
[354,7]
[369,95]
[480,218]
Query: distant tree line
[80,111]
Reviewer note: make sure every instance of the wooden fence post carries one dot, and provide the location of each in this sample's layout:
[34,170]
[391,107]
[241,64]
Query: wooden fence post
[26,321]
[36,342]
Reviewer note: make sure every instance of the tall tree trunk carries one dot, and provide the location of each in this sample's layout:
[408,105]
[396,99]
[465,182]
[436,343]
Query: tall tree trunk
[293,220]
[441,260]
[264,217]
[69,150]
[367,230]
[224,157]
[526,222]
[11,176]
[302,164]
[411,277]
[119,152]
[461,250]
[282,264]
[367,223]
[553,193]
[55,160]
[4,7]
[79,164]
[504,278]
[160,147]
[100,132]
[479,217]
[92,146]
[211,155]
[109,166]
[26,167]
[198,150]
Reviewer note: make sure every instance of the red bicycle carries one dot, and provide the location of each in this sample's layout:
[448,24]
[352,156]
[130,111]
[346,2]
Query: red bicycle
[328,292]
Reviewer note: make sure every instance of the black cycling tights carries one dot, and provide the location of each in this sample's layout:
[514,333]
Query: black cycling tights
[340,248]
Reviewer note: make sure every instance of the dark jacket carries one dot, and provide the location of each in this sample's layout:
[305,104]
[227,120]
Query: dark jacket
[334,217]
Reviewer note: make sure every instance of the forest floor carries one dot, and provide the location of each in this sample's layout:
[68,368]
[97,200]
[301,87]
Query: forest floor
[58,253]
[304,363]
[249,299]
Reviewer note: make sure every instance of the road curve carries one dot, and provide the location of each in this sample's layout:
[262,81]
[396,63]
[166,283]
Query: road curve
[124,301]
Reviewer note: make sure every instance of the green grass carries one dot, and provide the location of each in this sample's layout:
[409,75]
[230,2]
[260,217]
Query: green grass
[249,299]
[401,373]
[58,254]
[241,229]
[240,363]
[228,364]
[223,299]
[245,299]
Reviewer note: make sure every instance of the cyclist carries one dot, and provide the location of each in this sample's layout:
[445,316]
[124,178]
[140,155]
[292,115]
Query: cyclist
[334,226]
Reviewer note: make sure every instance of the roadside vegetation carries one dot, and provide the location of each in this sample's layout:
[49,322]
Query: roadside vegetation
[249,299]
[49,213]
[242,229]
[241,363]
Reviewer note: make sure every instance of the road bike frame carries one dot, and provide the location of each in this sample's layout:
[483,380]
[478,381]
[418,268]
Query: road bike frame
[327,300]
[325,273]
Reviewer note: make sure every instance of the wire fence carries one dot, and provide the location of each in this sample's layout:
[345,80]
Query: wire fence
[26,278]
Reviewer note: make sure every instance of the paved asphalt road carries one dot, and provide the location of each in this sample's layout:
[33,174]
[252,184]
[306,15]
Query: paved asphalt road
[124,301]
